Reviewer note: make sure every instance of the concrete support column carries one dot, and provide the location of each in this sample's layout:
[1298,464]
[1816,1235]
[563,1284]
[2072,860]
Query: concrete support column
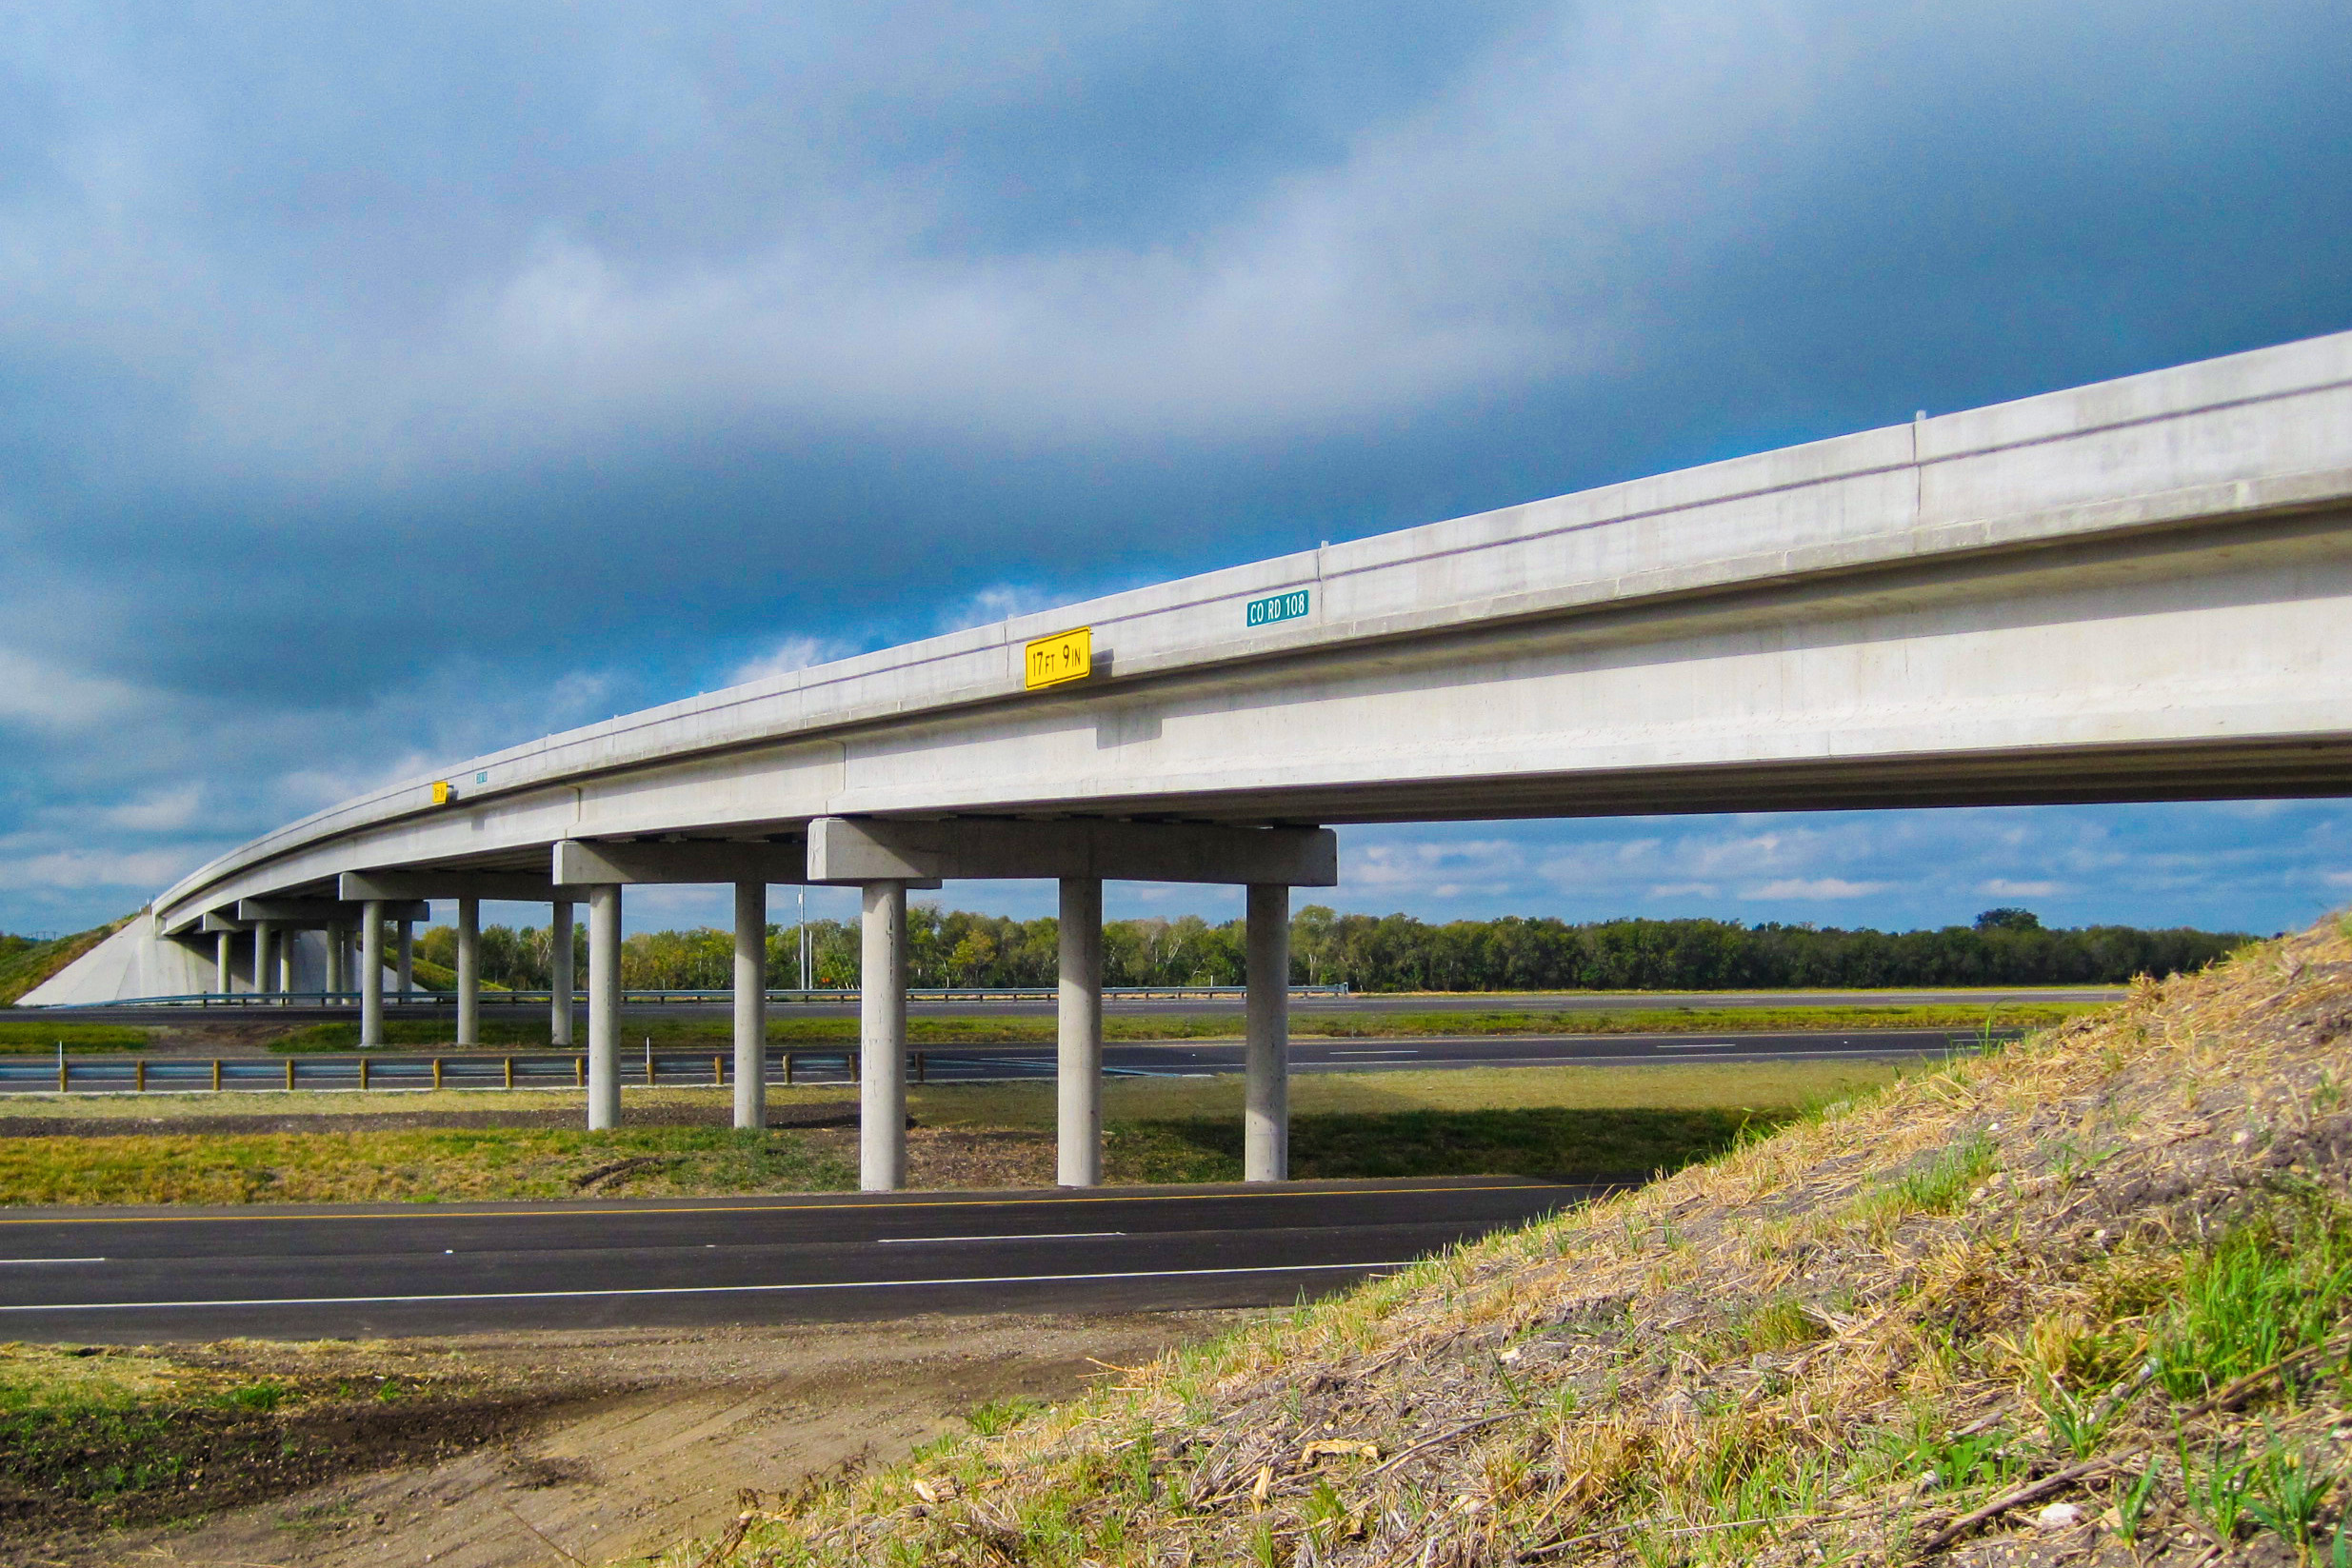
[603,1005]
[287,941]
[1079,1119]
[469,971]
[337,981]
[559,979]
[265,979]
[750,1005]
[224,963]
[1265,1116]
[371,976]
[404,959]
[882,1038]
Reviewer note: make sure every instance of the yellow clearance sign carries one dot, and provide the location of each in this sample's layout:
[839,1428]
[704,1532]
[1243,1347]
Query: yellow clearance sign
[1065,656]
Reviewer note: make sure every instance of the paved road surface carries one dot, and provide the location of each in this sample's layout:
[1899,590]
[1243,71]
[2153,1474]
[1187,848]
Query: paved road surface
[964,1063]
[145,1275]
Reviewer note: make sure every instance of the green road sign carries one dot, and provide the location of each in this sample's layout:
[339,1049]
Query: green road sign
[1282,606]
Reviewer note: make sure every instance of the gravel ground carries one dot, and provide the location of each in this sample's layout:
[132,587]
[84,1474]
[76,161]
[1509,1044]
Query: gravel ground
[635,1439]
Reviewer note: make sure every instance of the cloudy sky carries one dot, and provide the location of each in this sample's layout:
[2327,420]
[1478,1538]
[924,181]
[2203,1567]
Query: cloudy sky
[380,384]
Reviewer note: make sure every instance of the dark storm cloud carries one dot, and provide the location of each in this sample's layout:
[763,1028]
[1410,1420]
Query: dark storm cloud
[382,383]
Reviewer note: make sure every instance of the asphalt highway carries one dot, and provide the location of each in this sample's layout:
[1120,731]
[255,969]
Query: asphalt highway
[963,1063]
[128,1276]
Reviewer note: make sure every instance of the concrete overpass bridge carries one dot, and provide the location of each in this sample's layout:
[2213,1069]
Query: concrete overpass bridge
[2131,591]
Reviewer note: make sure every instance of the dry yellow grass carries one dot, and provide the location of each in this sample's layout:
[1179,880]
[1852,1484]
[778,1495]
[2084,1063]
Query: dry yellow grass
[1669,1085]
[2040,1276]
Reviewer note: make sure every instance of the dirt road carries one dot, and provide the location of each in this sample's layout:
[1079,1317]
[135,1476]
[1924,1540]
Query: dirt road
[668,1429]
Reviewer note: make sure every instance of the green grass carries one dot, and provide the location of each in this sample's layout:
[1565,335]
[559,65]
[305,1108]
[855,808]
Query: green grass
[41,1038]
[1937,1185]
[1543,1141]
[999,1416]
[91,1424]
[408,1166]
[2271,1287]
[410,1032]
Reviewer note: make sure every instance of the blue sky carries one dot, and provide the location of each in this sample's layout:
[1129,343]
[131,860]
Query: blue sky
[382,385]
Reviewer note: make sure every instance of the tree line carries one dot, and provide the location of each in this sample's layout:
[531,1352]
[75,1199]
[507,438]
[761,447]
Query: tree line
[1399,953]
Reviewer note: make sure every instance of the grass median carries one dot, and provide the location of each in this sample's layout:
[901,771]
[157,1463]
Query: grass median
[76,1039]
[333,1147]
[410,1165]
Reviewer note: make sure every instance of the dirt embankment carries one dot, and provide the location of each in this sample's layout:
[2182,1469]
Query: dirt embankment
[2088,1299]
[495,1451]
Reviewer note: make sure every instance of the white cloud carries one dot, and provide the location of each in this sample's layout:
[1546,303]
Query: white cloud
[2337,878]
[791,654]
[1436,868]
[2001,887]
[1809,889]
[145,871]
[37,692]
[998,601]
[161,810]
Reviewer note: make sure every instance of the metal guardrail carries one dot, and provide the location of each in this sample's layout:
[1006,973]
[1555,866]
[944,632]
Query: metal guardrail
[641,998]
[483,1070]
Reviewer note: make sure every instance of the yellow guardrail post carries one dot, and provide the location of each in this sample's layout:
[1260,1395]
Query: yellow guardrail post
[138,1076]
[718,1071]
[436,1072]
[787,1069]
[510,1072]
[216,1074]
[289,1072]
[363,1074]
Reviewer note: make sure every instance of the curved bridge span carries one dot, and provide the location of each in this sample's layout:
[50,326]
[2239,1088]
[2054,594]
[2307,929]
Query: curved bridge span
[2134,590]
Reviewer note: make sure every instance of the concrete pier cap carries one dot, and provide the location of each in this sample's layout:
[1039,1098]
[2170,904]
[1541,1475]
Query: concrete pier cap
[862,849]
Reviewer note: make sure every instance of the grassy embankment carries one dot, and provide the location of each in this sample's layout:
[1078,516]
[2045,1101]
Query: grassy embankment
[950,1030]
[1531,1122]
[2091,1295]
[28,967]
